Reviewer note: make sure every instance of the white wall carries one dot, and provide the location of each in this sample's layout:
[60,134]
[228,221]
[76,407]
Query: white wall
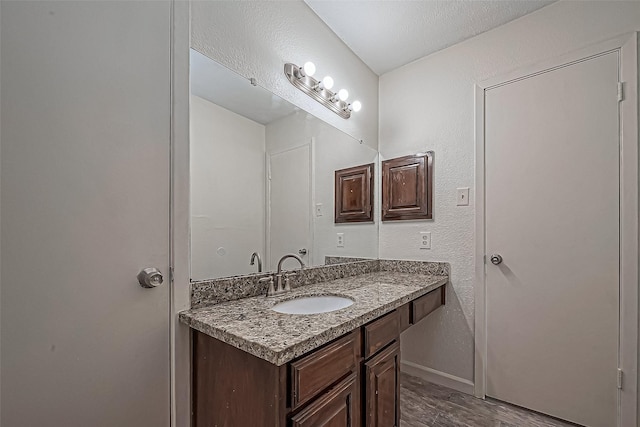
[429,104]
[227,190]
[333,150]
[256,39]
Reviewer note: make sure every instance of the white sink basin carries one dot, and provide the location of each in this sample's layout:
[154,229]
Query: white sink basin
[313,305]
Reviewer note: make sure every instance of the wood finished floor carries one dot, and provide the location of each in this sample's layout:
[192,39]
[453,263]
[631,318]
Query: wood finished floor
[428,405]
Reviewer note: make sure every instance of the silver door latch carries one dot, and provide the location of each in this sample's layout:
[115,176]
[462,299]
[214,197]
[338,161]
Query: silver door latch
[150,277]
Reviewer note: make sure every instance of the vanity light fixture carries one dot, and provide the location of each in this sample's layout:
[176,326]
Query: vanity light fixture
[302,78]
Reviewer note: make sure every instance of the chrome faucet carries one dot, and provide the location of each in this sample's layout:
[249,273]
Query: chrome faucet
[280,287]
[253,258]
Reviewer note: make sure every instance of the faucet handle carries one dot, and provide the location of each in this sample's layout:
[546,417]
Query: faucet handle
[287,285]
[288,274]
[271,291]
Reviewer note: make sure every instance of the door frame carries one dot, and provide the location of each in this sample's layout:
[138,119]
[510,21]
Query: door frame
[267,217]
[180,216]
[627,47]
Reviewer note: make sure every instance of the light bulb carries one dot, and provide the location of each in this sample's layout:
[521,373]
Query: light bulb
[327,82]
[309,68]
[356,106]
[343,94]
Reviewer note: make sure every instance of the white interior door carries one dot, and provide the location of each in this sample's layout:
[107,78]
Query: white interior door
[85,206]
[289,205]
[552,213]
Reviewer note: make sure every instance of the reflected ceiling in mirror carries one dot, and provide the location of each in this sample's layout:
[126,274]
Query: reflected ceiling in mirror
[262,175]
[216,83]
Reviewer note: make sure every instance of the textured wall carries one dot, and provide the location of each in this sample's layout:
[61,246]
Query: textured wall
[429,104]
[256,39]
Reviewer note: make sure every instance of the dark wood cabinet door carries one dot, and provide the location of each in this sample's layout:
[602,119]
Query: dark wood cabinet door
[407,188]
[339,407]
[354,194]
[383,388]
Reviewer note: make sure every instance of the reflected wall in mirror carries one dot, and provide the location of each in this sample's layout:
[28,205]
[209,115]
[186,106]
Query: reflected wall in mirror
[262,179]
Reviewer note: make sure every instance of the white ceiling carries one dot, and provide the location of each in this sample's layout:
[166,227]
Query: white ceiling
[389,34]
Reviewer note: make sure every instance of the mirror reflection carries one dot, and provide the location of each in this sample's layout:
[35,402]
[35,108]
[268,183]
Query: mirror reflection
[262,179]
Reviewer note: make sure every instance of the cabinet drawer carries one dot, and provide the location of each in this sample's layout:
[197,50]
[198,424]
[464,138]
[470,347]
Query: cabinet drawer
[314,373]
[379,333]
[404,313]
[338,407]
[423,306]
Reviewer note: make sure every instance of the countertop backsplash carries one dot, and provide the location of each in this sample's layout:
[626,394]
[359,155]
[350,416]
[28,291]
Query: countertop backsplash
[328,260]
[215,291]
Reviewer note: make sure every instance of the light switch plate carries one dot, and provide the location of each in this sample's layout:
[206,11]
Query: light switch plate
[425,240]
[463,196]
[318,209]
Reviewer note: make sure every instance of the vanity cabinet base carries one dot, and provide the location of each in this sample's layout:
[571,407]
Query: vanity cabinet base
[350,382]
[234,388]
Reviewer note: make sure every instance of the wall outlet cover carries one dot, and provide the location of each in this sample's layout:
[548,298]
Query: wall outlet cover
[425,240]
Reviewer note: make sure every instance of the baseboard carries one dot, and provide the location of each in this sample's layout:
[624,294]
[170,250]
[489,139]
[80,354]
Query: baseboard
[437,377]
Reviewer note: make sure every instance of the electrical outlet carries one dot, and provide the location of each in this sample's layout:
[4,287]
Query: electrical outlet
[463,196]
[425,240]
[340,240]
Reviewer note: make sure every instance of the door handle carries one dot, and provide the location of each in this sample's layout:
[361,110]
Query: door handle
[150,277]
[496,259]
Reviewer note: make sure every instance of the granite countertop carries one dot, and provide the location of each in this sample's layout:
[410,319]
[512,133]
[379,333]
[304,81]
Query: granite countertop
[250,325]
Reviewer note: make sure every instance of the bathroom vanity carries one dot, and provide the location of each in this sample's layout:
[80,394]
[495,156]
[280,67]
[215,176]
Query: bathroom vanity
[253,366]
[255,362]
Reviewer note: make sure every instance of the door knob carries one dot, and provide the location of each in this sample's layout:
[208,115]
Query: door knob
[150,277]
[496,259]
[302,251]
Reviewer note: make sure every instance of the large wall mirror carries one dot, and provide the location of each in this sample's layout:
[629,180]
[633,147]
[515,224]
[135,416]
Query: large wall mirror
[262,179]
